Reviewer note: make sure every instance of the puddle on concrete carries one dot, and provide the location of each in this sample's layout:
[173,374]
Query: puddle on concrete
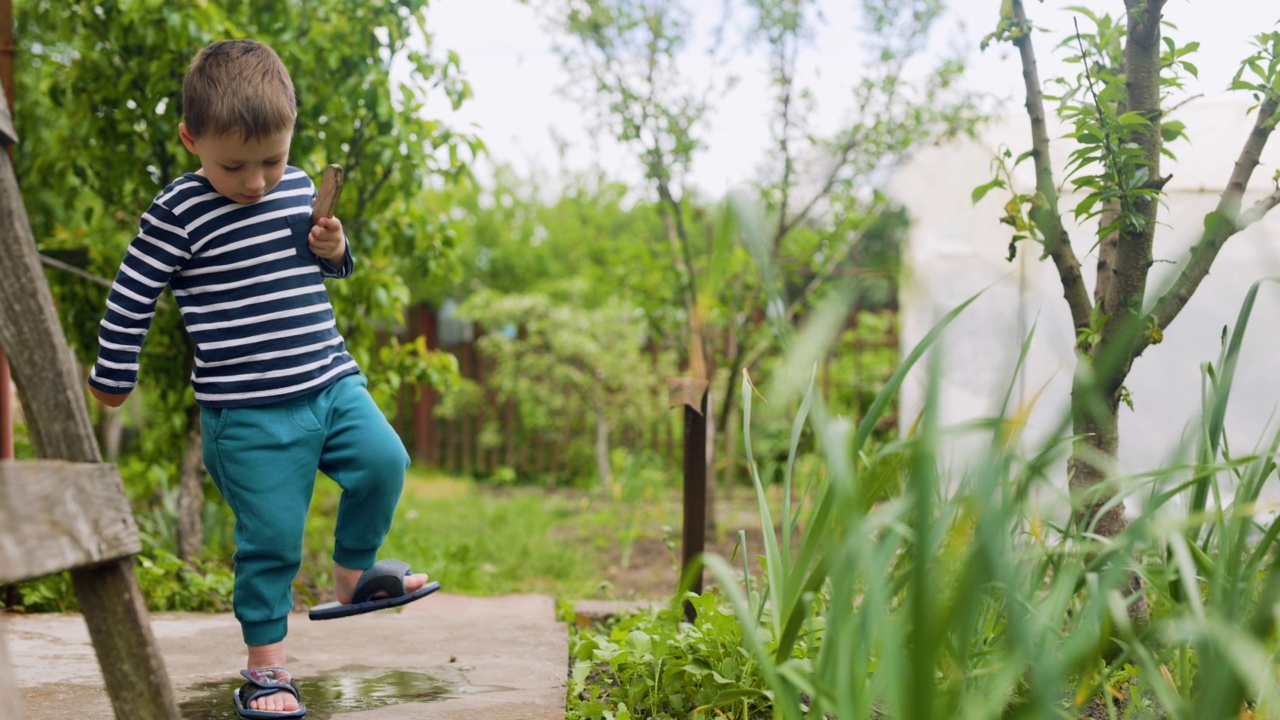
[350,689]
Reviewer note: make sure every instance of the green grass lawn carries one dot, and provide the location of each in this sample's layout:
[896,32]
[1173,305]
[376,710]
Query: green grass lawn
[476,539]
[482,540]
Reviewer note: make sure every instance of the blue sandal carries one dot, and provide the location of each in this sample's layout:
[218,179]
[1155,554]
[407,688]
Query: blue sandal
[385,578]
[263,682]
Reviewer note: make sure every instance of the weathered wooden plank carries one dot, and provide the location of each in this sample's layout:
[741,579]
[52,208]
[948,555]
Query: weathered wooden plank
[53,398]
[57,516]
[8,136]
[10,705]
[52,390]
[114,610]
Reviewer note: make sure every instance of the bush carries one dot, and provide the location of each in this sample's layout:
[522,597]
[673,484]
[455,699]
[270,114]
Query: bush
[654,664]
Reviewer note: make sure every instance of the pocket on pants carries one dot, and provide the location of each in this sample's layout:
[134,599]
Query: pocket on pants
[212,421]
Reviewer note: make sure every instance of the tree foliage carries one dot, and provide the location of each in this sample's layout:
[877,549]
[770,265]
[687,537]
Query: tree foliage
[631,60]
[552,358]
[577,318]
[99,102]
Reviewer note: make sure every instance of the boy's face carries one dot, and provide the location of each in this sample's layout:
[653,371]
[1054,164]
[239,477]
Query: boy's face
[240,170]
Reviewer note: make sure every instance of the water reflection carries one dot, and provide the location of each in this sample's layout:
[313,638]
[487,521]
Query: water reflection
[350,689]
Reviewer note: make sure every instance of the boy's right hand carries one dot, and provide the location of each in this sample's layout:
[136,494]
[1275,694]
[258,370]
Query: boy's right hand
[109,399]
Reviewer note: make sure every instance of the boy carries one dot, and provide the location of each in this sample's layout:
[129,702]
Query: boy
[280,396]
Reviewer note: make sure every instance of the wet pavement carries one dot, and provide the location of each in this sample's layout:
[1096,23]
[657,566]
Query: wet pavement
[444,657]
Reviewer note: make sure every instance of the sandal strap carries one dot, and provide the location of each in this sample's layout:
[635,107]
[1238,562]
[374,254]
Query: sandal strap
[274,677]
[263,682]
[385,576]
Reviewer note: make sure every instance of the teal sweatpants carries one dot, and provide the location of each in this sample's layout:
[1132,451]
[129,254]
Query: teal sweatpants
[263,460]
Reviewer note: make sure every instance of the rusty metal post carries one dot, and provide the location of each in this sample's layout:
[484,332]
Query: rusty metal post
[695,492]
[691,394]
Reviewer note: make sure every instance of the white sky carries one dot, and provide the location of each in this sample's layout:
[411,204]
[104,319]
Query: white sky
[518,109]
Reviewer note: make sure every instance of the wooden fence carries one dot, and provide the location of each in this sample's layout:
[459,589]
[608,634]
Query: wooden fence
[457,443]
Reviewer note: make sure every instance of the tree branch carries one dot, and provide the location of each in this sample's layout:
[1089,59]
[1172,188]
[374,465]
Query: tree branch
[786,78]
[838,260]
[1048,218]
[1258,210]
[1221,224]
[786,225]
[372,190]
[1134,257]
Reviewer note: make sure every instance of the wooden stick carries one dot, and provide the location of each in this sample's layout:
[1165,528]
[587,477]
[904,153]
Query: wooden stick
[327,198]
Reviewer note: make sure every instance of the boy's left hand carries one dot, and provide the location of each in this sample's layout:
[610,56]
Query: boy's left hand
[327,240]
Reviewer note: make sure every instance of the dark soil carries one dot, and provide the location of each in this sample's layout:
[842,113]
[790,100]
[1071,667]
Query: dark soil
[649,568]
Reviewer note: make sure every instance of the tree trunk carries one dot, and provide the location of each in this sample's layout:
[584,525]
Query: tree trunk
[191,491]
[1093,456]
[109,431]
[603,464]
[191,477]
[1092,459]
[730,449]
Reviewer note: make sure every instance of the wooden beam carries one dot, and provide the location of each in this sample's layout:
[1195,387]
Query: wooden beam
[53,398]
[57,516]
[8,58]
[52,390]
[113,609]
[10,705]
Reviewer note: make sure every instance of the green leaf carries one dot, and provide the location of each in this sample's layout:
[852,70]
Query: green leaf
[1172,130]
[1088,137]
[1086,205]
[1218,225]
[726,697]
[982,190]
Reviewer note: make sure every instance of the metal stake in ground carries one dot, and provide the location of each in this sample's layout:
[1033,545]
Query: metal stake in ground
[691,393]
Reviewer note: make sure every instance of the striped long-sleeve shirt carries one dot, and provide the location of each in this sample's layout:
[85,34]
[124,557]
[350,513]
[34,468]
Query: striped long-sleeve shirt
[251,292]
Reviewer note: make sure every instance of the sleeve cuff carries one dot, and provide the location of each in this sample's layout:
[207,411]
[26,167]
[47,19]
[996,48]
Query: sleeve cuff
[341,270]
[110,389]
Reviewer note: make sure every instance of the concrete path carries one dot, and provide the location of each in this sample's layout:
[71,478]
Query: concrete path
[444,657]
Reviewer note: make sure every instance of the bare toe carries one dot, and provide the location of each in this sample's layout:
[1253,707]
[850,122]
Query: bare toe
[276,702]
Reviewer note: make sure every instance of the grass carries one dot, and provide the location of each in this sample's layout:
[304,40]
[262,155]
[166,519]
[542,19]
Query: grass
[484,540]
[955,596]
[476,539]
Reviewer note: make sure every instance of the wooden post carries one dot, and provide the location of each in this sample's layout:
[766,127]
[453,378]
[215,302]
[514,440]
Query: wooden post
[10,705]
[691,394]
[6,409]
[58,422]
[467,418]
[8,59]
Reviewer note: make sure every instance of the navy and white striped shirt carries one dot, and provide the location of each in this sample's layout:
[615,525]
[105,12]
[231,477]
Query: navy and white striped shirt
[251,292]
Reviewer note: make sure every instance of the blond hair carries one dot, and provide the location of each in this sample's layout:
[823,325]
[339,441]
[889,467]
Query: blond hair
[238,86]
